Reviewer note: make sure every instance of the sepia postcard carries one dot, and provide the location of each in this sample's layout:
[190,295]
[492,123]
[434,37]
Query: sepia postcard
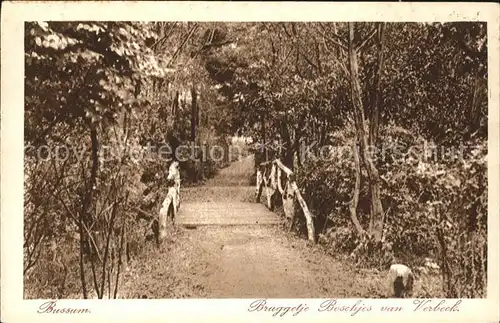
[249,161]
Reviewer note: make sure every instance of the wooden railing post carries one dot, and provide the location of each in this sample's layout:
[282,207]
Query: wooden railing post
[311,233]
[270,186]
[272,181]
[171,204]
[258,189]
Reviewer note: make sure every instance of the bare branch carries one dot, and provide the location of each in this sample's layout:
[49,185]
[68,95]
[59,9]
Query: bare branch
[163,39]
[364,42]
[334,38]
[218,44]
[177,51]
[308,60]
[296,44]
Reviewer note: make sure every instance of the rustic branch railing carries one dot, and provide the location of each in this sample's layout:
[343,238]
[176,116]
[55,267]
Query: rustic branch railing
[171,204]
[273,176]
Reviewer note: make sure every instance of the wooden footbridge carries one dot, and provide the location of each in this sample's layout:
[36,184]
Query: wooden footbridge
[273,179]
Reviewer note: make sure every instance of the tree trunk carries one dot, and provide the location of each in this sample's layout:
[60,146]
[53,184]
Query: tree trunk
[288,153]
[194,114]
[377,213]
[175,109]
[84,217]
[227,147]
[263,147]
[478,98]
[375,107]
[353,205]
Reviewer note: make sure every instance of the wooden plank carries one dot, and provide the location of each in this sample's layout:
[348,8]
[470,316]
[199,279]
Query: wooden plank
[229,213]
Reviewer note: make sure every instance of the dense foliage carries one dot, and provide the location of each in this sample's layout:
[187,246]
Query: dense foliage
[103,100]
[415,94]
[307,93]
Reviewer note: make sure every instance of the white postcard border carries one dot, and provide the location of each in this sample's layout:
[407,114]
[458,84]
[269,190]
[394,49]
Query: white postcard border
[14,308]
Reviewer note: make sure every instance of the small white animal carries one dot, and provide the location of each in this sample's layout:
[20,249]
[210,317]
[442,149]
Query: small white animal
[400,280]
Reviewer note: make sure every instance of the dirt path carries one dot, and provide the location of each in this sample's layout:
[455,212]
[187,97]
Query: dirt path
[242,260]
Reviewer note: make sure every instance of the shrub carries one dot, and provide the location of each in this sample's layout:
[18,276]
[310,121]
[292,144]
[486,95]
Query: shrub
[436,206]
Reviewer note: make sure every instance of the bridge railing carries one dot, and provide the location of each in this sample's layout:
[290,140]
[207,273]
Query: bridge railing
[171,203]
[273,176]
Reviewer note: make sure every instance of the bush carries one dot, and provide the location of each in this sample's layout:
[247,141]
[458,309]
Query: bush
[435,208]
